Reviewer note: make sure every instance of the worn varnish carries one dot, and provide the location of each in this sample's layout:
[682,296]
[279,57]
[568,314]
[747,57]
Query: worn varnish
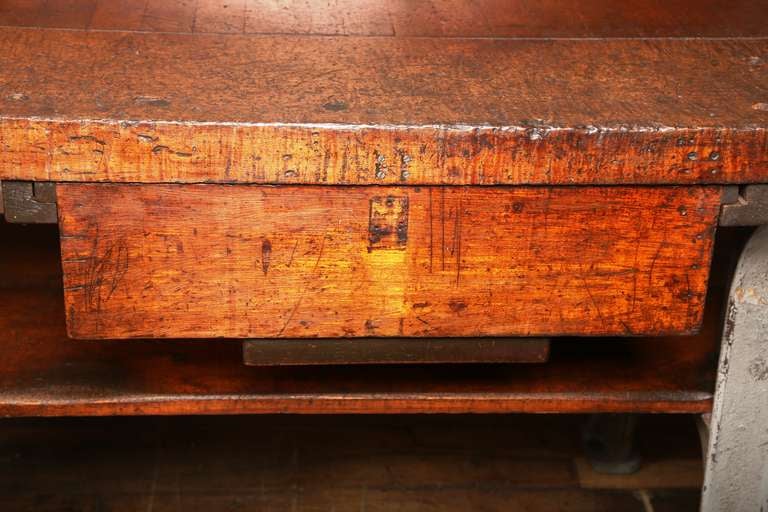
[434,18]
[146,93]
[42,372]
[46,374]
[249,261]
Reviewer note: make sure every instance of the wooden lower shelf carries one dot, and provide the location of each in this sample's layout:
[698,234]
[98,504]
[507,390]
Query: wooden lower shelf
[43,373]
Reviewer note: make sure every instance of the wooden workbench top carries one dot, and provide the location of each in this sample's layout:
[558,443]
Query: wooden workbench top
[397,18]
[384,92]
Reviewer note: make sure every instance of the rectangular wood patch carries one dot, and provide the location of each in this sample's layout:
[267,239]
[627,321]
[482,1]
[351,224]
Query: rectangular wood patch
[199,261]
[388,226]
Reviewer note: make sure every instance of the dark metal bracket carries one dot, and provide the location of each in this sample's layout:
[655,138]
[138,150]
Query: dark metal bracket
[745,205]
[300,352]
[27,202]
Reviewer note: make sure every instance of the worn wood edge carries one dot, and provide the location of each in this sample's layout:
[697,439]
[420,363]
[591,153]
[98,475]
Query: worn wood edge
[693,330]
[389,403]
[338,154]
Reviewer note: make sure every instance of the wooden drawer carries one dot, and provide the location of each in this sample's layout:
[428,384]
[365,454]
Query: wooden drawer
[302,261]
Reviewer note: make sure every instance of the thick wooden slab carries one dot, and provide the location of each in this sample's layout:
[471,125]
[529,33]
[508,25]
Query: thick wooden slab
[250,261]
[430,92]
[112,106]
[398,18]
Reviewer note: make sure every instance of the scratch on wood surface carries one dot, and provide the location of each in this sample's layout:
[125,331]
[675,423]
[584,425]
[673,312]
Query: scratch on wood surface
[442,228]
[293,252]
[431,232]
[457,240]
[626,327]
[304,289]
[592,298]
[636,268]
[105,272]
[662,245]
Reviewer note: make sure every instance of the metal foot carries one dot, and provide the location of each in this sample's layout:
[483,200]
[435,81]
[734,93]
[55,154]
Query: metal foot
[736,474]
[609,443]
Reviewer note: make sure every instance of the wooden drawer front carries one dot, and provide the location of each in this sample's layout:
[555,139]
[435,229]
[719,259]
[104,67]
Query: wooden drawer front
[302,261]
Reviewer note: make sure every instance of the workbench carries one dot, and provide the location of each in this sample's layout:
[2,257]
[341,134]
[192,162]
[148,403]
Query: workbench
[526,181]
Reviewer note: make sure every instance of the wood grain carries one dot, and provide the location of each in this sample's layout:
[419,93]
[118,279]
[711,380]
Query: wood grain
[43,372]
[242,261]
[157,107]
[433,18]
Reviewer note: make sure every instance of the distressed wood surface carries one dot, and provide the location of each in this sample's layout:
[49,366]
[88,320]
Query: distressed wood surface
[250,261]
[43,372]
[400,93]
[433,18]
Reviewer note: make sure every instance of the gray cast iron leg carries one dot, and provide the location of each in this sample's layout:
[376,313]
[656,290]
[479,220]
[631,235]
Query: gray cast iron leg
[736,474]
